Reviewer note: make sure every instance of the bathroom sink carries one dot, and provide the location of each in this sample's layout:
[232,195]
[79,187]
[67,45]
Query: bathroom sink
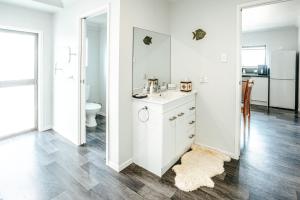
[168,94]
[166,97]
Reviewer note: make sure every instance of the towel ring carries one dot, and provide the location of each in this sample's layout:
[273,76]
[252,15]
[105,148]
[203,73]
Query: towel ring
[139,112]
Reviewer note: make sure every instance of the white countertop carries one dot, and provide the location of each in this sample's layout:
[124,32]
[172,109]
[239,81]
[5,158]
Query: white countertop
[165,97]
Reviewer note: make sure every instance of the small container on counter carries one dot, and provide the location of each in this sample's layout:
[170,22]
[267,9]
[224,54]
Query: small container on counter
[172,86]
[186,86]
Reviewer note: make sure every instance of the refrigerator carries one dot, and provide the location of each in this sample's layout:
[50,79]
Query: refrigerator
[283,79]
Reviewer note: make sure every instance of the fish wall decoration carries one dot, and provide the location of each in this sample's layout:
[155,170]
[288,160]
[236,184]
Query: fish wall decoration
[147,40]
[199,34]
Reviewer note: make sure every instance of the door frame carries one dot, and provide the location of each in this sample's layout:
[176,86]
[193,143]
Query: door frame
[38,104]
[82,60]
[238,94]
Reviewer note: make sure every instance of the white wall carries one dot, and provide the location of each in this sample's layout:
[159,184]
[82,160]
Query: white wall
[275,39]
[216,100]
[103,68]
[147,14]
[66,84]
[96,69]
[32,20]
[93,67]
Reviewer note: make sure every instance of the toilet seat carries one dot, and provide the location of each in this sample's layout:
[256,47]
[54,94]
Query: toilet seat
[92,106]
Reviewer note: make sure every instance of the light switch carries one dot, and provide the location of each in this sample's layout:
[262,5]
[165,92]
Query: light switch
[203,79]
[224,58]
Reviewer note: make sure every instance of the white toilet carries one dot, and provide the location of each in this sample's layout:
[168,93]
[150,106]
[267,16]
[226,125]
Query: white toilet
[91,109]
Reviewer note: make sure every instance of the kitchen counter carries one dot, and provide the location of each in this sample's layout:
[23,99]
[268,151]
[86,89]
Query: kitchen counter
[255,75]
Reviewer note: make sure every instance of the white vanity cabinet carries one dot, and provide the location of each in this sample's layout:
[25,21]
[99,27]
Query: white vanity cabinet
[168,133]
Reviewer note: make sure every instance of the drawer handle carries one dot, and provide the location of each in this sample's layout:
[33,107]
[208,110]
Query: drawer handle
[192,108]
[192,122]
[173,118]
[191,136]
[180,114]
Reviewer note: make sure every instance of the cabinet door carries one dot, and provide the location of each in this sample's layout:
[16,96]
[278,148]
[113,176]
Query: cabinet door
[260,90]
[169,137]
[181,140]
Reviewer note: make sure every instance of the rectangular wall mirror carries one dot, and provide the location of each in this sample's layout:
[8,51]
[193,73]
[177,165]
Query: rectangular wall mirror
[151,58]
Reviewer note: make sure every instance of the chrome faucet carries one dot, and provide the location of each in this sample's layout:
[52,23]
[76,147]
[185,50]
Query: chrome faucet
[158,90]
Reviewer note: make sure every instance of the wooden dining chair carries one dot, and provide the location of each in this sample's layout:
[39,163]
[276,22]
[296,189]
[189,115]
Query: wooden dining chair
[245,109]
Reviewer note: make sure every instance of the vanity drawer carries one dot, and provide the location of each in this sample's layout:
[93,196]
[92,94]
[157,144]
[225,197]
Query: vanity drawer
[186,110]
[190,121]
[191,136]
[191,108]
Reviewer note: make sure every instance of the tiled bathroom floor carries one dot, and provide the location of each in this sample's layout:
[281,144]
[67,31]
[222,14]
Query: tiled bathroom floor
[97,135]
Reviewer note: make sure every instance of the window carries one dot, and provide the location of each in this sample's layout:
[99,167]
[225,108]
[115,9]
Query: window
[253,56]
[18,82]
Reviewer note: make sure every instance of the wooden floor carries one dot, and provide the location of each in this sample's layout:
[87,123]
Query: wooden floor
[46,166]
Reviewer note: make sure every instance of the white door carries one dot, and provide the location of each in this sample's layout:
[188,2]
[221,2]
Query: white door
[18,82]
[82,96]
[282,93]
[66,91]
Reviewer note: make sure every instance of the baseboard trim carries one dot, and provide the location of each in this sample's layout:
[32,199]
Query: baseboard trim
[119,168]
[46,128]
[231,155]
[113,166]
[17,134]
[126,164]
[64,136]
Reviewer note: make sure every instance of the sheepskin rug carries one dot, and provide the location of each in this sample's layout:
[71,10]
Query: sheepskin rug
[197,168]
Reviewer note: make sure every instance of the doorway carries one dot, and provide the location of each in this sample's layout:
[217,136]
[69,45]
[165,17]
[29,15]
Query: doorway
[94,80]
[18,82]
[268,69]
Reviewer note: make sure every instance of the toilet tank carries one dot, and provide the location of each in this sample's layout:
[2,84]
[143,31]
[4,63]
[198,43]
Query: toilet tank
[87,92]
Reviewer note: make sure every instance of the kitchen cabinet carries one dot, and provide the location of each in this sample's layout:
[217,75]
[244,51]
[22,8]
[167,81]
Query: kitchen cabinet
[259,94]
[260,91]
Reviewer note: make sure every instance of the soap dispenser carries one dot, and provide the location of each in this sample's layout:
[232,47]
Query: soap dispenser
[146,88]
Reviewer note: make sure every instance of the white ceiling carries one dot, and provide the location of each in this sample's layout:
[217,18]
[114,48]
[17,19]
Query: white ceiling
[253,19]
[271,16]
[43,5]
